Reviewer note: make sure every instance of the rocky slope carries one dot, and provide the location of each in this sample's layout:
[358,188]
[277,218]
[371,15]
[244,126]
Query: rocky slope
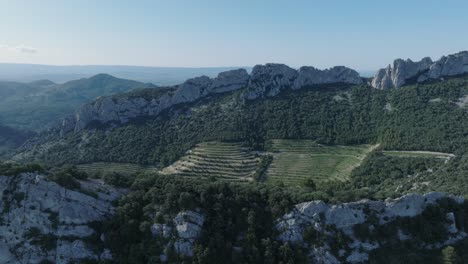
[316,226]
[187,225]
[42,221]
[265,80]
[331,221]
[404,71]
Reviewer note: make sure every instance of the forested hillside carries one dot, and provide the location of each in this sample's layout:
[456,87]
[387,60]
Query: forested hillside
[37,105]
[421,117]
[401,141]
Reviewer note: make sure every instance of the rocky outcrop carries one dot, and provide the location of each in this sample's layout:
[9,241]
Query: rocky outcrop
[188,226]
[329,220]
[42,221]
[264,81]
[398,74]
[338,74]
[270,79]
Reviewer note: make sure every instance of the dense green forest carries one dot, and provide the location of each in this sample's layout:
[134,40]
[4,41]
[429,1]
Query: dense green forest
[243,216]
[419,117]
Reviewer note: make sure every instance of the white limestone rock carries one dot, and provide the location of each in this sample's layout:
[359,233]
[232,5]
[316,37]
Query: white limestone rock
[191,90]
[397,75]
[269,79]
[230,81]
[188,226]
[329,219]
[345,215]
[338,74]
[68,251]
[451,65]
[52,211]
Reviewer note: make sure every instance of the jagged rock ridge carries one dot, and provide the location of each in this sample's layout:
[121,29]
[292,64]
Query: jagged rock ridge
[42,221]
[398,74]
[265,80]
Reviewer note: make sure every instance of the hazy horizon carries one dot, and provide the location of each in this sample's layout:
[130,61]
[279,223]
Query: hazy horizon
[364,35]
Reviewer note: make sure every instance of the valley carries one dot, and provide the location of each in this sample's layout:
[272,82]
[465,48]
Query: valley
[233,132]
[301,165]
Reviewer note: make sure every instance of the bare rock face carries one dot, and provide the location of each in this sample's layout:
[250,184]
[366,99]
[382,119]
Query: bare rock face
[42,221]
[402,70]
[329,220]
[338,74]
[188,226]
[229,81]
[450,65]
[395,76]
[270,79]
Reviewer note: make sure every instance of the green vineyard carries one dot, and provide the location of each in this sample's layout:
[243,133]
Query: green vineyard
[294,161]
[227,161]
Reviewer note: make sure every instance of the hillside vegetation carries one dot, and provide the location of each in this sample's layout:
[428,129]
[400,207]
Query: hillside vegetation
[295,161]
[11,139]
[399,119]
[227,161]
[37,105]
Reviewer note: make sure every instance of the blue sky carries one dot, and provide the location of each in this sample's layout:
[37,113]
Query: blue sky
[364,35]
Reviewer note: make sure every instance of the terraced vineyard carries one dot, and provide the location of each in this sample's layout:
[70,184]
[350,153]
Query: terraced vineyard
[227,161]
[122,168]
[296,160]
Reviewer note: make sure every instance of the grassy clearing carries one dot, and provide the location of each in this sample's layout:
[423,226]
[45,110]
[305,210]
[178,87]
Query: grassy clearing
[226,161]
[122,168]
[294,161]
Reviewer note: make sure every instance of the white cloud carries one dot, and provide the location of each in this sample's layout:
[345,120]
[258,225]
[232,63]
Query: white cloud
[19,48]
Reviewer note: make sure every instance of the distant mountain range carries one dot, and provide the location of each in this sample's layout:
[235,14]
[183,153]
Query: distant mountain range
[35,105]
[158,75]
[161,76]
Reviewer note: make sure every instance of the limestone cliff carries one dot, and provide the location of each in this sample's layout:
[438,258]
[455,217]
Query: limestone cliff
[42,221]
[398,74]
